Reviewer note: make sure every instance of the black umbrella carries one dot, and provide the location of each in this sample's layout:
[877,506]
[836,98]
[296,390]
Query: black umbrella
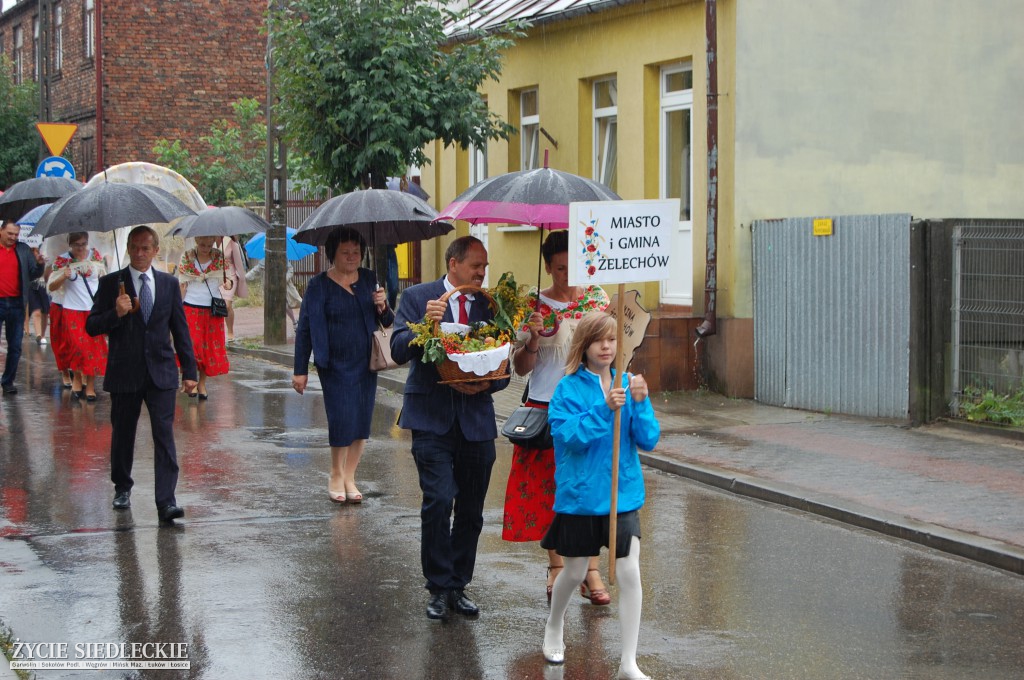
[227,221]
[108,206]
[381,216]
[28,194]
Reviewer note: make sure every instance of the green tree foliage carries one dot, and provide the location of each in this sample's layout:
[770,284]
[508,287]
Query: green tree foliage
[19,139]
[364,85]
[232,166]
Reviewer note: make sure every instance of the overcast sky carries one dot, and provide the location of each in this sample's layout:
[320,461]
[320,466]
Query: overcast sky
[8,4]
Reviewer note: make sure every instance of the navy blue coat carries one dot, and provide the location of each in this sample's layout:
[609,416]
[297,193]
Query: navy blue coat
[429,406]
[311,333]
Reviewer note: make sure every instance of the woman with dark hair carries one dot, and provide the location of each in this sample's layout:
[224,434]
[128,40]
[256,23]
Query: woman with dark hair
[543,345]
[74,279]
[339,314]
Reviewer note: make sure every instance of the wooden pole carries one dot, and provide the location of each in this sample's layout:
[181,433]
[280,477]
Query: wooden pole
[616,429]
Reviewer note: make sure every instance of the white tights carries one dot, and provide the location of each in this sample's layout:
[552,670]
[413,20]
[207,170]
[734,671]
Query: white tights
[627,570]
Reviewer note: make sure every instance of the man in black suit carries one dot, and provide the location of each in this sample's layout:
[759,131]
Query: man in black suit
[18,266]
[141,366]
[453,432]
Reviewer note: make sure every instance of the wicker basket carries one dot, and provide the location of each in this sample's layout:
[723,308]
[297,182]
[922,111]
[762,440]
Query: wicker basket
[450,371]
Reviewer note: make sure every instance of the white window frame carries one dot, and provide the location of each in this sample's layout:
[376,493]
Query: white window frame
[605,116]
[678,289]
[58,37]
[89,28]
[19,55]
[529,133]
[35,46]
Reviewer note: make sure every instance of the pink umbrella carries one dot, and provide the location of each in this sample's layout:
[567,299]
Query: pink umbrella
[538,198]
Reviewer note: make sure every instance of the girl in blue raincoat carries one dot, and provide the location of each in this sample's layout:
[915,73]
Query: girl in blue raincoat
[581,415]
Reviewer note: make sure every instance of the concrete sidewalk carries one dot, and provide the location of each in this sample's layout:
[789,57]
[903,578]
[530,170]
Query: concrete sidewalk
[955,489]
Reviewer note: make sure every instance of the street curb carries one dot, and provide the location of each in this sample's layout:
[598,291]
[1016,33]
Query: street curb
[976,548]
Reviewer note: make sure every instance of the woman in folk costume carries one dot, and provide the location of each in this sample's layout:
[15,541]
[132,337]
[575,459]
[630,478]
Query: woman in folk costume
[204,275]
[73,282]
[542,348]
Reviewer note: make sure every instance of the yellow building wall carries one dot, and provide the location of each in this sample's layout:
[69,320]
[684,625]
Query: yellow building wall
[561,59]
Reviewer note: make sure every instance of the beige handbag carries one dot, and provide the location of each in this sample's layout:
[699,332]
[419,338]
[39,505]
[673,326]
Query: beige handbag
[380,352]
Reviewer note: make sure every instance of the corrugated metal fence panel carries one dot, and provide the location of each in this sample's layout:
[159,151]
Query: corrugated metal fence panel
[831,315]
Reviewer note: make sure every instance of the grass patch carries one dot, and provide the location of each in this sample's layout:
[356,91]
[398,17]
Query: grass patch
[985,406]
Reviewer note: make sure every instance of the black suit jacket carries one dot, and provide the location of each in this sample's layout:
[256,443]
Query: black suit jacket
[137,350]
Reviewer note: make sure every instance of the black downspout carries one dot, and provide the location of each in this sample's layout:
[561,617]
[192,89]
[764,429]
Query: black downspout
[710,324]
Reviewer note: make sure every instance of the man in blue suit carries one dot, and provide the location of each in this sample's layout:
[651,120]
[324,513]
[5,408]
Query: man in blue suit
[453,432]
[141,366]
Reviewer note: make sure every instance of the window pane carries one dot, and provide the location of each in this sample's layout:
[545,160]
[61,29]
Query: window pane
[678,160]
[677,81]
[528,103]
[607,150]
[531,145]
[605,94]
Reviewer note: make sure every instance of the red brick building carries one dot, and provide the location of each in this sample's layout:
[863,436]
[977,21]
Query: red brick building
[129,72]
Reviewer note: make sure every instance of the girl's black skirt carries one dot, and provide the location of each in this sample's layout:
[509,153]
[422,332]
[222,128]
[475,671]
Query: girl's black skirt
[585,535]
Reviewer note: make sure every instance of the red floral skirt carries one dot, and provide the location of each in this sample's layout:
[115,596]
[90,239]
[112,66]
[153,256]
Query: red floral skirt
[84,353]
[207,333]
[57,342]
[530,495]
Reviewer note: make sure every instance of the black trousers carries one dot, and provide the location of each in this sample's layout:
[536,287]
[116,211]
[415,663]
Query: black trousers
[454,476]
[125,409]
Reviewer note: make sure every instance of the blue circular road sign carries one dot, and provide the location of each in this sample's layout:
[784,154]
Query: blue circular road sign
[56,166]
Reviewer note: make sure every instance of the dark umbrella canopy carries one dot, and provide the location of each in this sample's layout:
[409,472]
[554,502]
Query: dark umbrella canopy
[29,193]
[381,216]
[108,206]
[538,197]
[227,221]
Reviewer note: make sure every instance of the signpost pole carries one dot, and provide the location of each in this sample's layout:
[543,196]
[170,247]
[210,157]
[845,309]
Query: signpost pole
[613,524]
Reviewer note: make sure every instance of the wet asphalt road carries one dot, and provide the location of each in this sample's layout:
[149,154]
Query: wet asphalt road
[267,579]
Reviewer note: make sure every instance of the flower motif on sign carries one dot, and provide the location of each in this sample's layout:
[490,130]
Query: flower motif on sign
[591,245]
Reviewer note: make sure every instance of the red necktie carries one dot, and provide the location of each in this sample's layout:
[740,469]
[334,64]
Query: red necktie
[463,311]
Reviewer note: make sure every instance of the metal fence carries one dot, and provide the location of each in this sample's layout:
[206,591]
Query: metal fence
[832,314]
[988,320]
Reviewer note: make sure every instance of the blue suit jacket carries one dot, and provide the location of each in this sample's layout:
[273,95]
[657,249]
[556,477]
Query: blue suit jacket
[28,267]
[136,349]
[428,405]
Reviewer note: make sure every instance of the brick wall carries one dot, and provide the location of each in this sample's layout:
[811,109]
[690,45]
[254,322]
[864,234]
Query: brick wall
[172,68]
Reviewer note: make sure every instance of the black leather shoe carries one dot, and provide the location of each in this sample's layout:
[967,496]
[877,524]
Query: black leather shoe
[10,389]
[437,608]
[169,513]
[122,501]
[462,604]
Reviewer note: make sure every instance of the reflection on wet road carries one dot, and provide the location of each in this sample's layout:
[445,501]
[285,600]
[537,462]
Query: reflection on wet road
[267,578]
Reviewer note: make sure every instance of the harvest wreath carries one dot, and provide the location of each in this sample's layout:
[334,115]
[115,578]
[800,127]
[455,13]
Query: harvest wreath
[480,350]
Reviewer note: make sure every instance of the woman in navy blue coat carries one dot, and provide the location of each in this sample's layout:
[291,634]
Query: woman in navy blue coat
[340,311]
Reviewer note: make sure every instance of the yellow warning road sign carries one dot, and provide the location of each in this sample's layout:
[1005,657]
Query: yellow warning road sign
[56,135]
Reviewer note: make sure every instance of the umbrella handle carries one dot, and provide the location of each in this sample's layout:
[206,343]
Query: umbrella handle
[135,302]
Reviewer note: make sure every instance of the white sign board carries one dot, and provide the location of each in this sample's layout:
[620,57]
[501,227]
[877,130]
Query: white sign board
[33,241]
[621,241]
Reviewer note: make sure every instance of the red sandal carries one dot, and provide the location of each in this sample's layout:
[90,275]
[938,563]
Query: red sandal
[599,597]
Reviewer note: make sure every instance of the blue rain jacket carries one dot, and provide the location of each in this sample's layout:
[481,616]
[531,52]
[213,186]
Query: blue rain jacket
[581,426]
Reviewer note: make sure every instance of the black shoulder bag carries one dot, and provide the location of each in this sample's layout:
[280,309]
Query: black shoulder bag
[528,426]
